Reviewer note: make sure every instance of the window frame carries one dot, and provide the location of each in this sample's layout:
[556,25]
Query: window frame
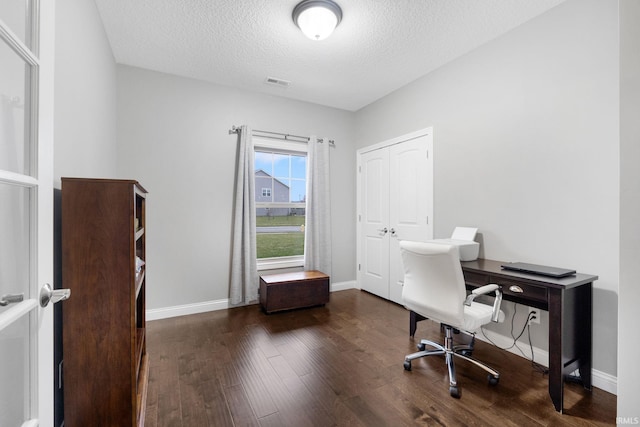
[284,147]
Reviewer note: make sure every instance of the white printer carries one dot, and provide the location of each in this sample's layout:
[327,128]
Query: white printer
[464,239]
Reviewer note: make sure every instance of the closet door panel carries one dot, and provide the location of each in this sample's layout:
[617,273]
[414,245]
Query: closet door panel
[409,203]
[375,220]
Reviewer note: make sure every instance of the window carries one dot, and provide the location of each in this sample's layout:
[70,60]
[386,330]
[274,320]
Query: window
[281,193]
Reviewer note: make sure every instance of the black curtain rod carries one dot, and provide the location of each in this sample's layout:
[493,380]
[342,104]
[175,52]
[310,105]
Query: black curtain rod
[277,135]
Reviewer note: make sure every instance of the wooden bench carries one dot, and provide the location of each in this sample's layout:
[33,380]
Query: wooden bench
[299,289]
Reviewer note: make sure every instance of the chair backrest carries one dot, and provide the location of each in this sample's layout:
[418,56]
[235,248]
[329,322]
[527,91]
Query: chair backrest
[433,281]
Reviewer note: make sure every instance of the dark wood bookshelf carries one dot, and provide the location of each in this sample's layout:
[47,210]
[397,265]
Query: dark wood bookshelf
[105,371]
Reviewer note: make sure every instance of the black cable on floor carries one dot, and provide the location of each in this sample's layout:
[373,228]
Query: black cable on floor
[536,366]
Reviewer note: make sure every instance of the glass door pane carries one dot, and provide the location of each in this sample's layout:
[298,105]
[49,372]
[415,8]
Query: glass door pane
[14,244]
[15,81]
[16,15]
[15,360]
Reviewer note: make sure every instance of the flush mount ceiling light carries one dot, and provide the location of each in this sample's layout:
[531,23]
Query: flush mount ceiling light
[317,18]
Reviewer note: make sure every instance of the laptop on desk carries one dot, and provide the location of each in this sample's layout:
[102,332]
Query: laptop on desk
[542,270]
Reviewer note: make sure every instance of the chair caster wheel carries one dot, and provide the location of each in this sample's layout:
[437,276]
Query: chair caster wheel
[407,365]
[421,347]
[454,392]
[493,380]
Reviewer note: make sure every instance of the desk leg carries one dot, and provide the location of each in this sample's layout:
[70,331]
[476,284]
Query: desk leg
[570,338]
[414,318]
[584,295]
[556,332]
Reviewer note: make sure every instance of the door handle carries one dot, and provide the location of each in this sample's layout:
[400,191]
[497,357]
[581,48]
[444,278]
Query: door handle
[48,295]
[383,230]
[393,232]
[11,299]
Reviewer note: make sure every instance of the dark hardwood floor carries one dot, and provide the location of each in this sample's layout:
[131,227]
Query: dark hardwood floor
[341,364]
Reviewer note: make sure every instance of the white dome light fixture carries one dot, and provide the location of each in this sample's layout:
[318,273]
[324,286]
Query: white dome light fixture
[317,18]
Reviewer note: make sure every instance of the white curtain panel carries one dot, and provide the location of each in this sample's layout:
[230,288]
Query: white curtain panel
[244,269]
[317,240]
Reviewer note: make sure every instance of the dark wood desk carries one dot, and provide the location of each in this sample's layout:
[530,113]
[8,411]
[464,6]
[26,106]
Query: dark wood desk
[568,301]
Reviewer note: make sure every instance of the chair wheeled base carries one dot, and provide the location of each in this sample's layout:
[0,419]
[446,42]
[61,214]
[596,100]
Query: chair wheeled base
[449,350]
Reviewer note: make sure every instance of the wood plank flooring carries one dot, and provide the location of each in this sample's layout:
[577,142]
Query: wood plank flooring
[339,365]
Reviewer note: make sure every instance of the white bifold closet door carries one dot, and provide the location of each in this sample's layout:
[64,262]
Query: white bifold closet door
[395,202]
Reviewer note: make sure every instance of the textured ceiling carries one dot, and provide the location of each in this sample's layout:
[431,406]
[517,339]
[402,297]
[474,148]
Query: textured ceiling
[379,46]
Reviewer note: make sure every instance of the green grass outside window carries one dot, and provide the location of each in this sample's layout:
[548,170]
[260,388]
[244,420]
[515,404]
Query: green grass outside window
[271,245]
[271,221]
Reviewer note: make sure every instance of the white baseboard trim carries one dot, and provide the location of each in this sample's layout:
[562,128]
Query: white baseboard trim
[183,310]
[599,379]
[203,307]
[604,381]
[342,286]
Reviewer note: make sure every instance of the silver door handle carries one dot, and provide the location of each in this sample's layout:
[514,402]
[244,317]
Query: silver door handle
[48,295]
[383,230]
[11,299]
[393,232]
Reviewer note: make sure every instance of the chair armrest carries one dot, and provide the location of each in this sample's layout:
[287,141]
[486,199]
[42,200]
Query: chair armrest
[483,290]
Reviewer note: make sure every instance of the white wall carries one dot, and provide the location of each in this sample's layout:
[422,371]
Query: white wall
[629,292]
[526,148]
[173,137]
[85,94]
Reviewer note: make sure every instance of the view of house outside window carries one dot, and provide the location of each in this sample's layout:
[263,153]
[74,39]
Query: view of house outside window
[280,195]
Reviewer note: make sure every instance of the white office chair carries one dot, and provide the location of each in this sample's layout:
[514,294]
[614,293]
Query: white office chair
[434,288]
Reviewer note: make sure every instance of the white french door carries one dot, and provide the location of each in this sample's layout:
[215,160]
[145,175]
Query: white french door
[26,211]
[395,202]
